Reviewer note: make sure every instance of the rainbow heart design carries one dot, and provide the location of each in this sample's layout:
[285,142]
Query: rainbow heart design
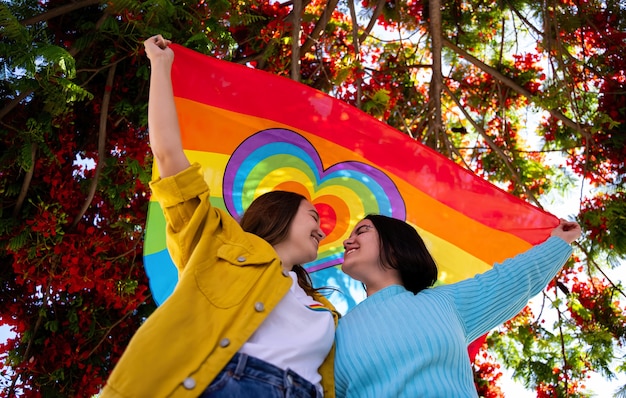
[342,193]
[283,159]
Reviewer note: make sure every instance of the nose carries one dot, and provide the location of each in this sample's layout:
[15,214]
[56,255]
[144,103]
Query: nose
[347,242]
[321,233]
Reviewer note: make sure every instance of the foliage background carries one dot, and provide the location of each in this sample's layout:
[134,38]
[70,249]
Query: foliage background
[464,77]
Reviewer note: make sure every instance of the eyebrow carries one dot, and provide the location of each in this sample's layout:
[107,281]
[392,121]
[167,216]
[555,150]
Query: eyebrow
[363,226]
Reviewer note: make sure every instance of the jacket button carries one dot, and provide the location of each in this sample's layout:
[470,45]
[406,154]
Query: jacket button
[225,342]
[241,259]
[189,383]
[258,306]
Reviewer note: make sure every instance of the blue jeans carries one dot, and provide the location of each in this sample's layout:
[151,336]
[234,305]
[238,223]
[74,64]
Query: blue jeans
[246,377]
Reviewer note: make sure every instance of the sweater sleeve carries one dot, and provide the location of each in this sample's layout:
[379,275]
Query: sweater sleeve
[340,385]
[495,296]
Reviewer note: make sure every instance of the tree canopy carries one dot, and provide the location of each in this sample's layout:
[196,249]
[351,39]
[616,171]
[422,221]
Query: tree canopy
[528,95]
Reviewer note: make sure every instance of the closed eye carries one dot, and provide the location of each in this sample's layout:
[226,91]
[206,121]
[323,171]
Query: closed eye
[315,216]
[362,229]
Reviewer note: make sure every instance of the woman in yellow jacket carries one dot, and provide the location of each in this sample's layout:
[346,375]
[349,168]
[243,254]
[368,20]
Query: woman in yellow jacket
[244,320]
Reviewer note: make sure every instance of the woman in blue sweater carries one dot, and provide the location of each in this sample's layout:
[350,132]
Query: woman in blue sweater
[409,339]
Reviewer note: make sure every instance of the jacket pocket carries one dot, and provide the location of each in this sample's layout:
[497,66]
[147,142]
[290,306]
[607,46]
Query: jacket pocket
[230,277]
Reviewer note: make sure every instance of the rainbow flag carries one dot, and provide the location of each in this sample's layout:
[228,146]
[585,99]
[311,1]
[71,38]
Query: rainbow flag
[254,132]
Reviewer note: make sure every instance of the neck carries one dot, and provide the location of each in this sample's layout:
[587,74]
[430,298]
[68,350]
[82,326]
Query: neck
[382,282]
[284,258]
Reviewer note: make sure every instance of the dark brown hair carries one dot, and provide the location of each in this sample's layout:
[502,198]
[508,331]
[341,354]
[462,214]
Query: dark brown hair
[402,248]
[269,217]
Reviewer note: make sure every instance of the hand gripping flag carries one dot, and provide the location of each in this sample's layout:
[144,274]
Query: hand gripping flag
[254,132]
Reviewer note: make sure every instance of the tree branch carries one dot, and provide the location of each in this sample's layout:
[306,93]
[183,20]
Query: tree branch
[101,145]
[582,129]
[15,102]
[29,346]
[55,12]
[595,264]
[406,125]
[509,165]
[380,4]
[435,120]
[26,183]
[44,17]
[357,52]
[106,334]
[562,341]
[320,25]
[296,28]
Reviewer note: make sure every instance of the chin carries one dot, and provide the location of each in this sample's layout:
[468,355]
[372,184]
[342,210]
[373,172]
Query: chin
[345,270]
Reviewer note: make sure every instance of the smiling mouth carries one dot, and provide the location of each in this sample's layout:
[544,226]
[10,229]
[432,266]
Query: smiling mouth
[349,251]
[317,241]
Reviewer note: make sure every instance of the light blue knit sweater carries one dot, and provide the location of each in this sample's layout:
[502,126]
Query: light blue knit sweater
[396,344]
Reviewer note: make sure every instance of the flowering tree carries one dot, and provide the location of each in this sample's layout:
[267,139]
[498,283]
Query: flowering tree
[461,77]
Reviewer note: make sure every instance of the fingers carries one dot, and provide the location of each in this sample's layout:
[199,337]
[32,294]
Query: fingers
[158,50]
[161,42]
[157,40]
[569,225]
[568,231]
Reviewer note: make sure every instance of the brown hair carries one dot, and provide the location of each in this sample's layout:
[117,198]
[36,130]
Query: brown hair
[269,217]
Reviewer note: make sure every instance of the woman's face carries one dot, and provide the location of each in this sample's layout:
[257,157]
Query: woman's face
[303,238]
[361,258]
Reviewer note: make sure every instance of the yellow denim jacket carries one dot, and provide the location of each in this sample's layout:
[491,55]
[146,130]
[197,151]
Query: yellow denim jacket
[229,281]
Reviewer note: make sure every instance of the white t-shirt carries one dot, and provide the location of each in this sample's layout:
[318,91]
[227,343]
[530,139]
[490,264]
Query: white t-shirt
[296,335]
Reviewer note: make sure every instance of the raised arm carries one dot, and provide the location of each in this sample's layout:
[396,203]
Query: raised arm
[495,296]
[163,127]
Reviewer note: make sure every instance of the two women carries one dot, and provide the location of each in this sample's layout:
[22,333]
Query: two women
[408,339]
[244,320]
